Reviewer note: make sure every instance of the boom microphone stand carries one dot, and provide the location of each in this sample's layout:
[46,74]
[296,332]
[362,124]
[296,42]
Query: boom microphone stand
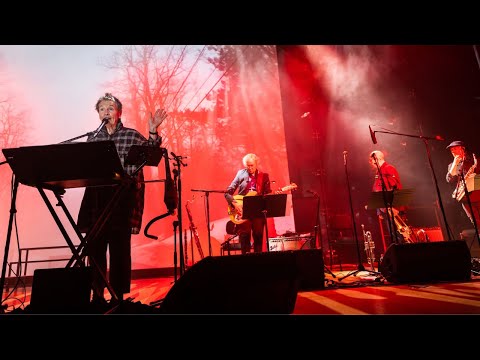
[207,204]
[360,266]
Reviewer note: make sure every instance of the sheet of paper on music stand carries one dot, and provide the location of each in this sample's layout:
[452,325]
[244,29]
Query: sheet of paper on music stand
[274,204]
[138,154]
[69,165]
[394,197]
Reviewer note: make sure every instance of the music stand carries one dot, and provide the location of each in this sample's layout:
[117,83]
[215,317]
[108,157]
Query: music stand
[266,206]
[144,155]
[394,198]
[61,166]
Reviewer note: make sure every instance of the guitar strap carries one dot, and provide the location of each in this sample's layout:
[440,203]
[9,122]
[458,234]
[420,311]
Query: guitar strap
[260,183]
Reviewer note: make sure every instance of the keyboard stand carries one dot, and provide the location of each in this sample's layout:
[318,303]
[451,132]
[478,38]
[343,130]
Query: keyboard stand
[59,167]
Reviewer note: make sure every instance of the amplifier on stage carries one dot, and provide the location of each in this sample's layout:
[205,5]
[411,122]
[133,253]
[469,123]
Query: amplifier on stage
[283,243]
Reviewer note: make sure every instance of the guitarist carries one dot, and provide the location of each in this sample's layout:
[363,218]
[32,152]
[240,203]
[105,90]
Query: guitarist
[463,161]
[391,178]
[251,181]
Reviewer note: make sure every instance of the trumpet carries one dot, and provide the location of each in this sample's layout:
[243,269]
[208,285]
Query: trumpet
[369,247]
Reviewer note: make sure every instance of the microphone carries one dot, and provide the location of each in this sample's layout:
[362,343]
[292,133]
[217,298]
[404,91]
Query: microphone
[345,157]
[104,122]
[372,135]
[373,155]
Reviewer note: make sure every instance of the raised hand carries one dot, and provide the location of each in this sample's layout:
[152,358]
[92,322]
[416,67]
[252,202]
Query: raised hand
[156,120]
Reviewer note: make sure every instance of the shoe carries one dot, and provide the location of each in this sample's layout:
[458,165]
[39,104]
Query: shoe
[99,305]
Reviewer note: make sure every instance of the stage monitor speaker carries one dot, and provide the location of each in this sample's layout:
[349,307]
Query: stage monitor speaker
[61,291]
[426,262]
[256,283]
[310,269]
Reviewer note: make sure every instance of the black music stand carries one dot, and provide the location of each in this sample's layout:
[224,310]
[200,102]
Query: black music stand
[390,199]
[144,155]
[65,166]
[61,166]
[266,206]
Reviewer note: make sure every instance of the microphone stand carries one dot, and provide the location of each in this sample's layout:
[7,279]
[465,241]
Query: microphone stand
[178,180]
[360,266]
[318,233]
[207,192]
[425,140]
[94,133]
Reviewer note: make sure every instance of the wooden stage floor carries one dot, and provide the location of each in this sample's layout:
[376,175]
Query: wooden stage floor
[363,293]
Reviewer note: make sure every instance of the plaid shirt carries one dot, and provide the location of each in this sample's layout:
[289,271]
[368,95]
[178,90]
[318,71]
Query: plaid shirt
[95,198]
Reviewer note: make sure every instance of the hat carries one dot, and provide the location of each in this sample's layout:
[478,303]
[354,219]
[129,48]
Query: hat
[456,143]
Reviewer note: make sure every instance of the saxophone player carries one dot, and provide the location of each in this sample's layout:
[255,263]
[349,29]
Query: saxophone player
[464,163]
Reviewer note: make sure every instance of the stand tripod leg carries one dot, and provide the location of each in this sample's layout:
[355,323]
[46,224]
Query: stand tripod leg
[13,210]
[326,269]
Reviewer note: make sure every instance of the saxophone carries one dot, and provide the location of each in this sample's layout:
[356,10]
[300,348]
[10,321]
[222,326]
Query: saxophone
[459,191]
[194,231]
[369,247]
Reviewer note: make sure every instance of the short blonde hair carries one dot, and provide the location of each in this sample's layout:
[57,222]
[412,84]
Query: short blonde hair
[250,157]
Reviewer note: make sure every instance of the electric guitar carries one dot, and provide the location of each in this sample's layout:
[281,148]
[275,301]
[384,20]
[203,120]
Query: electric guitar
[236,217]
[402,227]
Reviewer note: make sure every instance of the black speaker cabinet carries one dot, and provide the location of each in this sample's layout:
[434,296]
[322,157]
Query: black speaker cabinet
[265,283]
[426,262]
[61,290]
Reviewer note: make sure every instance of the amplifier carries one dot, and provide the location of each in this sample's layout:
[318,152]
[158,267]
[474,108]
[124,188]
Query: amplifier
[291,243]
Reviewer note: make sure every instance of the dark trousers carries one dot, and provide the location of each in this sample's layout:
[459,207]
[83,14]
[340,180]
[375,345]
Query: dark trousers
[251,228]
[118,241]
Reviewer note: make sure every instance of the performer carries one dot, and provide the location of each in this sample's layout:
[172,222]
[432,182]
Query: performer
[248,181]
[391,180]
[464,162]
[126,217]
